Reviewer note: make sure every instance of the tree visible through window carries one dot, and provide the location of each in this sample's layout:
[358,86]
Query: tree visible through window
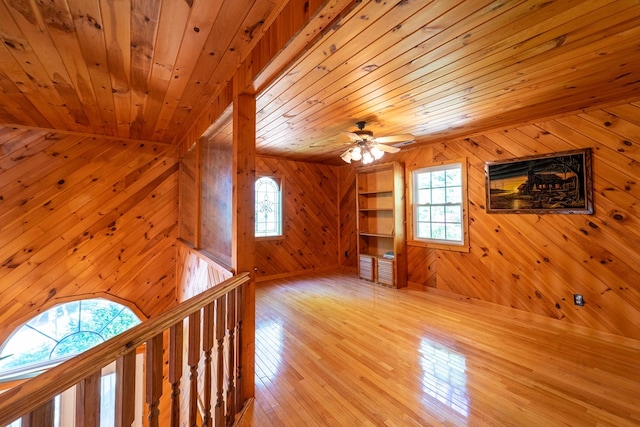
[64,331]
[268,207]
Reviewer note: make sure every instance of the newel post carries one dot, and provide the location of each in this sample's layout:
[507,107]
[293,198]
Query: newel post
[243,246]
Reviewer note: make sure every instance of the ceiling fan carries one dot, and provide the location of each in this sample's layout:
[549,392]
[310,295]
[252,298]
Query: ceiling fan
[367,148]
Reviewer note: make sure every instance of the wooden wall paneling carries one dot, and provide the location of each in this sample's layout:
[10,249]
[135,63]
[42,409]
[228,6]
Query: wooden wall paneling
[197,273]
[135,248]
[188,195]
[73,223]
[216,194]
[14,105]
[347,253]
[518,284]
[502,270]
[601,280]
[116,19]
[112,249]
[536,263]
[310,220]
[421,266]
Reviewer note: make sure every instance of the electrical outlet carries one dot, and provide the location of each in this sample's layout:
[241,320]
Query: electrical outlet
[578,299]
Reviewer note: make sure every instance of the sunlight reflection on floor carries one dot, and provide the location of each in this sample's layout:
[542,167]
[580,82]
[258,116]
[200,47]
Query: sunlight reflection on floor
[444,376]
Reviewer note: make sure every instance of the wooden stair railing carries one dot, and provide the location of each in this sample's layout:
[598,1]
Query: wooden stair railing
[218,335]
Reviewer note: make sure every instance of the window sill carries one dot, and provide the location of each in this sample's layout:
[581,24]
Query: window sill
[440,246]
[265,238]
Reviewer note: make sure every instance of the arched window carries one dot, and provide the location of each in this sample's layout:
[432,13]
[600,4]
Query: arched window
[268,207]
[63,331]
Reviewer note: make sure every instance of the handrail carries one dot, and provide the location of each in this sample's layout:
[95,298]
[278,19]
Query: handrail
[36,392]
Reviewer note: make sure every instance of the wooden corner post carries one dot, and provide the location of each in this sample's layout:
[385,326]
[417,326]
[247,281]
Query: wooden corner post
[243,246]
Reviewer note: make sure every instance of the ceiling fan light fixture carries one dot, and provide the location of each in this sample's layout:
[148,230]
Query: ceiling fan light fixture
[356,153]
[367,148]
[376,152]
[346,156]
[367,157]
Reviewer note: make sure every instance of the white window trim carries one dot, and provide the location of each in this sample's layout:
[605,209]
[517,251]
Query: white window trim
[439,244]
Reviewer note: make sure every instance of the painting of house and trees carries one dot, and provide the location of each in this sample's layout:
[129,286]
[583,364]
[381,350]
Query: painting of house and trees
[550,183]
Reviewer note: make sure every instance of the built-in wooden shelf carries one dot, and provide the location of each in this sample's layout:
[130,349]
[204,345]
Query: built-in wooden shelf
[381,224]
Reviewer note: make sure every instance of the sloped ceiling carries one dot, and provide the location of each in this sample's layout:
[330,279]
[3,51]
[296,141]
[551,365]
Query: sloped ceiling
[434,69]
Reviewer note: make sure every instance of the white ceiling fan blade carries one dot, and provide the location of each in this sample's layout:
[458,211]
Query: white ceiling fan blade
[394,138]
[387,149]
[353,136]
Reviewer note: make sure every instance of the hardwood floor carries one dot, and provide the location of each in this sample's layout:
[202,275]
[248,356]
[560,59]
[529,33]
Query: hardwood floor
[333,350]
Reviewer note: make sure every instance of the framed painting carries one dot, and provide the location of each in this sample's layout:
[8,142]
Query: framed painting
[550,183]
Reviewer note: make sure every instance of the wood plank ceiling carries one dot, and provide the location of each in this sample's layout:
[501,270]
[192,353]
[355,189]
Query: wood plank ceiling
[435,69]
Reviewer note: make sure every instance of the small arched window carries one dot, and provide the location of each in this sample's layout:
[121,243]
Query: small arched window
[268,207]
[64,331]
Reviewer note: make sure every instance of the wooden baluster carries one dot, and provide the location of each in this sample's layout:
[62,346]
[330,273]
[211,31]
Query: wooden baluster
[231,324]
[126,390]
[207,346]
[88,401]
[239,318]
[175,370]
[153,376]
[193,358]
[220,328]
[40,417]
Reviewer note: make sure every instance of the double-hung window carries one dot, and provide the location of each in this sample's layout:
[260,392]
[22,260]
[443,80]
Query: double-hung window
[438,206]
[268,194]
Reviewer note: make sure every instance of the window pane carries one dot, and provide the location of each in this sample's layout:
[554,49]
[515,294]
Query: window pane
[424,213]
[453,214]
[123,321]
[267,209]
[424,230]
[59,332]
[438,196]
[454,232]
[96,314]
[454,177]
[438,231]
[59,321]
[443,194]
[437,214]
[438,179]
[76,344]
[454,194]
[25,346]
[424,197]
[424,180]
